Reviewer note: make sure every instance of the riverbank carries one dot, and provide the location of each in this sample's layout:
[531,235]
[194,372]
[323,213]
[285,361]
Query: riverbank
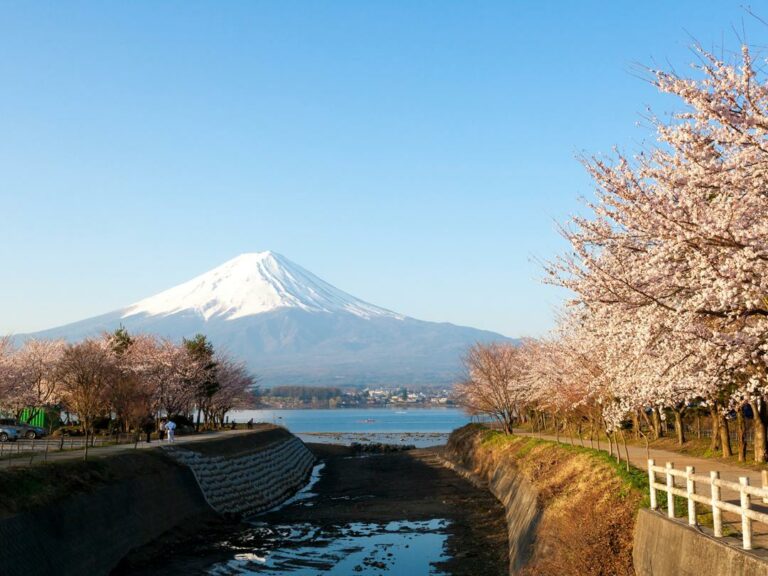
[71,518]
[570,511]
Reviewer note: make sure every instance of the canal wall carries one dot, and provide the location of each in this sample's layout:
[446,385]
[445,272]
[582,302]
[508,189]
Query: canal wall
[568,511]
[664,546]
[150,493]
[249,483]
[494,471]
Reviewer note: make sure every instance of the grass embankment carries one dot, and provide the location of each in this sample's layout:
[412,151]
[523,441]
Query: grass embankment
[589,503]
[27,488]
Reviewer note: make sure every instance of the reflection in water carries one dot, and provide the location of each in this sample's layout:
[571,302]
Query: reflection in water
[370,549]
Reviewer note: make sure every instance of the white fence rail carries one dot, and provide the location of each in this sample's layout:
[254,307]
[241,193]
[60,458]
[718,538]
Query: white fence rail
[714,500]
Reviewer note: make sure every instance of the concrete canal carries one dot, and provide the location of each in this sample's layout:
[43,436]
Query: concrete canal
[361,513]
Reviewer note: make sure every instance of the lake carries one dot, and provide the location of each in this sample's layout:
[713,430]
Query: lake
[359,419]
[418,426]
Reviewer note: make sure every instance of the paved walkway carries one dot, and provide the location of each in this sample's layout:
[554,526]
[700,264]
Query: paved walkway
[54,455]
[703,466]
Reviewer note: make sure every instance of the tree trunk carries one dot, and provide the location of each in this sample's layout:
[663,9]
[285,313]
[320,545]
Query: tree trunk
[85,455]
[658,429]
[626,450]
[647,420]
[647,447]
[760,417]
[725,437]
[679,430]
[714,444]
[741,436]
[635,424]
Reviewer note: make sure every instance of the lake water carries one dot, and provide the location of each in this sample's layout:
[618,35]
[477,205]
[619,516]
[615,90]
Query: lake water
[359,419]
[418,426]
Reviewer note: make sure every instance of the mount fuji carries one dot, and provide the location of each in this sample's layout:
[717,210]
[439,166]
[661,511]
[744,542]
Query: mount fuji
[291,327]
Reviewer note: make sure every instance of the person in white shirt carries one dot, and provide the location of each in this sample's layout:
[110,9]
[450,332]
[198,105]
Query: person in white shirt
[170,429]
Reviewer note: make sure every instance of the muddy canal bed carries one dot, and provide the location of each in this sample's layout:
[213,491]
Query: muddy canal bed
[396,513]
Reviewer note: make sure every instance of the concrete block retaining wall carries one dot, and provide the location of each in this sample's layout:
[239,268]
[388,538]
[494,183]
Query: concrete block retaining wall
[252,483]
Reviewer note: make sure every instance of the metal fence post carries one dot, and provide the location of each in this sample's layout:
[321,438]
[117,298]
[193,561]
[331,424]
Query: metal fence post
[690,488]
[670,495]
[651,481]
[746,521]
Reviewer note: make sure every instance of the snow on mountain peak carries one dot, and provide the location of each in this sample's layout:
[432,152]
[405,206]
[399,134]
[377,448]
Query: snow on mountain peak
[254,283]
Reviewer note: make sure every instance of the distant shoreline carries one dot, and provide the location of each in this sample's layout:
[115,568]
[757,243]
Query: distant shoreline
[374,407]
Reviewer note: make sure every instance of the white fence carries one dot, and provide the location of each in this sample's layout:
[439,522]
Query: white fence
[714,500]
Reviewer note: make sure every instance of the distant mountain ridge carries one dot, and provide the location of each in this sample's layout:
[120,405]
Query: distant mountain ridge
[292,327]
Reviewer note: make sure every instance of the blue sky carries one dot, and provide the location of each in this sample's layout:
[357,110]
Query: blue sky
[414,154]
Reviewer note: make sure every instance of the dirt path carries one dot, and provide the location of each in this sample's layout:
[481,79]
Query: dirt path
[360,491]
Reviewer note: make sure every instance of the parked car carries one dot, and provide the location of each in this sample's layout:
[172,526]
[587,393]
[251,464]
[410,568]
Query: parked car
[8,434]
[23,430]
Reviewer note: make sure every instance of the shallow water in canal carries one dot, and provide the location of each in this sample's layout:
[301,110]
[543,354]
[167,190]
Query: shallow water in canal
[355,548]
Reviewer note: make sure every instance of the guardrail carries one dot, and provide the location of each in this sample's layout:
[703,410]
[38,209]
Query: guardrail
[714,500]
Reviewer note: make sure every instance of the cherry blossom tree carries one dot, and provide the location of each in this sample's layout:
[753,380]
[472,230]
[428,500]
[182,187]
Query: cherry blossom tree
[35,374]
[494,383]
[671,262]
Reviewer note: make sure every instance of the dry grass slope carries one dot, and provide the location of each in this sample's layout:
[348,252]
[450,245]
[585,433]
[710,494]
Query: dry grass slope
[589,504]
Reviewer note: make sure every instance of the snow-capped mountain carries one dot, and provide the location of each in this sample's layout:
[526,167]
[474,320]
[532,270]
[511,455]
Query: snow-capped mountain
[292,327]
[254,284]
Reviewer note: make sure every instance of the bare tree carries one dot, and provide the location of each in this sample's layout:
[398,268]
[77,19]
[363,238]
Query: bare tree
[235,384]
[494,382]
[86,370]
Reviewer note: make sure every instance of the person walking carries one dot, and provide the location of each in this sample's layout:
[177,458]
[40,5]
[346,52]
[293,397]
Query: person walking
[170,429]
[149,427]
